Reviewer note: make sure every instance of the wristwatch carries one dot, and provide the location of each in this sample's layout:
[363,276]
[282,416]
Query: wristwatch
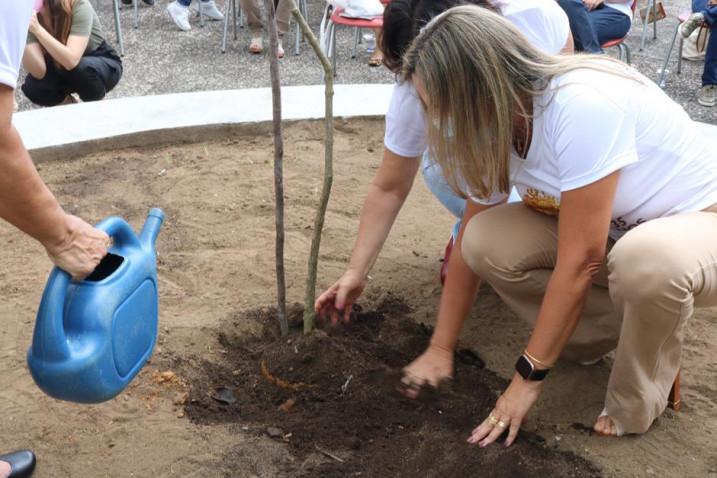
[525,367]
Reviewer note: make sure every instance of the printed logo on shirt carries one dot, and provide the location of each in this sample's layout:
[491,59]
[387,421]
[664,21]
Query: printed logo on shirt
[541,202]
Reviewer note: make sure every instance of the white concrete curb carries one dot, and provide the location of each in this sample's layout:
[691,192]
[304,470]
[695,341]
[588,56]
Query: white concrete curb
[156,119]
[49,128]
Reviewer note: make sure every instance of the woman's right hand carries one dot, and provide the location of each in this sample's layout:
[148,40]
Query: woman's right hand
[432,368]
[338,300]
[80,250]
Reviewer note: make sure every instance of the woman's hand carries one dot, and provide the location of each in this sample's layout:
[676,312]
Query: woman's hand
[432,368]
[592,4]
[337,301]
[509,412]
[81,250]
[35,25]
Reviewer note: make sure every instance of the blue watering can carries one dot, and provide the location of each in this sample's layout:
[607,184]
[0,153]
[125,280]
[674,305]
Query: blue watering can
[91,338]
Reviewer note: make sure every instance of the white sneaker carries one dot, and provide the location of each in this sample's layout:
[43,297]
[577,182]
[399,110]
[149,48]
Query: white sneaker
[180,15]
[707,95]
[209,9]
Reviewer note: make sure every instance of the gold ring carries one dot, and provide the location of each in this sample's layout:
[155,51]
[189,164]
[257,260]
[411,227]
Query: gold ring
[492,420]
[501,424]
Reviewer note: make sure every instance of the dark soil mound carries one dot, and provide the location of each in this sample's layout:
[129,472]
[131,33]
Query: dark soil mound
[338,386]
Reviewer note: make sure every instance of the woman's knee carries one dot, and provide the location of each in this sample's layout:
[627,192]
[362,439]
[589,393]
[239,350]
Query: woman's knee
[644,265]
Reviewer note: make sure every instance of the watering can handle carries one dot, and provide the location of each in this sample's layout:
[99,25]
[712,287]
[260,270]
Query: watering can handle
[49,339]
[121,232]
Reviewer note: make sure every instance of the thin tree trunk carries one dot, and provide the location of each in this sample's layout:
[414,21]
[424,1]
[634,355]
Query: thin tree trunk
[310,295]
[278,166]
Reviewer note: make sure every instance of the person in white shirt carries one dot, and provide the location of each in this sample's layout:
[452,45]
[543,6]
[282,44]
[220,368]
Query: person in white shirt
[544,25]
[25,201]
[595,22]
[613,245]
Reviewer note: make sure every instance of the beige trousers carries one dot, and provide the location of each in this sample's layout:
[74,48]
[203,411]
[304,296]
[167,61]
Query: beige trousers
[252,10]
[648,286]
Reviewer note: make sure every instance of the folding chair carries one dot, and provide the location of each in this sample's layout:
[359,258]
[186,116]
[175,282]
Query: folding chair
[663,74]
[331,18]
[623,49]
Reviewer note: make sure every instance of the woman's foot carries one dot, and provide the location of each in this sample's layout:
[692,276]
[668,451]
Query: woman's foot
[707,96]
[604,426]
[5,469]
[256,45]
[376,59]
[18,464]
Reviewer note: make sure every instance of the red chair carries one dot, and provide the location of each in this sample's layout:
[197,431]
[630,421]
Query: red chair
[329,31]
[663,74]
[623,50]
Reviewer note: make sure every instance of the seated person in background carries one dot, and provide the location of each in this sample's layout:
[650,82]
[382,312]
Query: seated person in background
[148,2]
[595,22]
[253,19]
[66,53]
[705,12]
[179,11]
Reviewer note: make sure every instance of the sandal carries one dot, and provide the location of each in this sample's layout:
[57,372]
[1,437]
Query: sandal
[376,59]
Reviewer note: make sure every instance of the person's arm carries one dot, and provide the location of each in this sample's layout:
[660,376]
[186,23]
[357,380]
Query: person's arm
[569,47]
[33,60]
[386,195]
[27,203]
[583,226]
[69,55]
[459,292]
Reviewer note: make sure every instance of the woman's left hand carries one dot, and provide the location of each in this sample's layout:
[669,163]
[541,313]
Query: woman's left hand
[34,23]
[509,412]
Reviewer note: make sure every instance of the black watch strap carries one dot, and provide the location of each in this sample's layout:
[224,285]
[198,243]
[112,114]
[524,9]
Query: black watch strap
[527,370]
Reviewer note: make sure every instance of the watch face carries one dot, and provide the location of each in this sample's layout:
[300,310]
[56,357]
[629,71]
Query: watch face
[524,367]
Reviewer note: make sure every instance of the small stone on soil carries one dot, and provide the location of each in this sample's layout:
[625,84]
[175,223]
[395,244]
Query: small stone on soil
[274,432]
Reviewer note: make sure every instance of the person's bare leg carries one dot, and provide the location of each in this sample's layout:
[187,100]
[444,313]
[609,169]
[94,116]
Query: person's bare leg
[5,469]
[377,56]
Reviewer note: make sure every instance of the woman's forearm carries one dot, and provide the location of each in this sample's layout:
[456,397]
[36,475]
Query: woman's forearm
[386,195]
[33,61]
[25,201]
[68,57]
[560,312]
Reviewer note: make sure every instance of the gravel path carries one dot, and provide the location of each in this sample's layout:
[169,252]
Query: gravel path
[161,59]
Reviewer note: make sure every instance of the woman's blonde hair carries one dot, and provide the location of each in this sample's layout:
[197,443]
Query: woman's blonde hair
[479,72]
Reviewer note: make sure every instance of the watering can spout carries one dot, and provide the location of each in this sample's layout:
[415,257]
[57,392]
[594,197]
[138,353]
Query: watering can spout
[151,227]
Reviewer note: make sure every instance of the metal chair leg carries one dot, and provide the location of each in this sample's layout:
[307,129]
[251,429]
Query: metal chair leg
[118,26]
[226,25]
[201,13]
[654,16]
[663,74]
[643,33]
[357,34]
[679,54]
[333,50]
[624,53]
[135,5]
[234,18]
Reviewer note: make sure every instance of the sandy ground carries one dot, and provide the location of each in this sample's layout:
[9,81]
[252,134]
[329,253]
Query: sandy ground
[216,262]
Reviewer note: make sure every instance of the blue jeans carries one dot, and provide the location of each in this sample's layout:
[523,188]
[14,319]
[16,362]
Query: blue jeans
[436,182]
[186,3]
[709,75]
[592,28]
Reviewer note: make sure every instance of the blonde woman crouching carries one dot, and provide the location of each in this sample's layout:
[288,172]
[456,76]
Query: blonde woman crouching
[614,244]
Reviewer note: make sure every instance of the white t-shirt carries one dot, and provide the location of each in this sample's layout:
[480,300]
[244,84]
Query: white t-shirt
[623,7]
[14,22]
[590,124]
[542,22]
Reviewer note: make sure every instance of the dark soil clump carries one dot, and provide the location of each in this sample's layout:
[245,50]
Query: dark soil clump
[331,396]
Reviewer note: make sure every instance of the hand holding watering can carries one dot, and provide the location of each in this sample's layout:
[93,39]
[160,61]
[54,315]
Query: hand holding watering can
[92,337]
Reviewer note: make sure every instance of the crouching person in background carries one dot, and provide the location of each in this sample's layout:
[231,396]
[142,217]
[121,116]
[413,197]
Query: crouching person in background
[66,53]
